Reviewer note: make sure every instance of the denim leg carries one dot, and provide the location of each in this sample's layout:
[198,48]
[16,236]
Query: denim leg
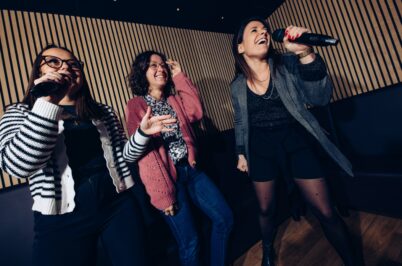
[183,228]
[209,199]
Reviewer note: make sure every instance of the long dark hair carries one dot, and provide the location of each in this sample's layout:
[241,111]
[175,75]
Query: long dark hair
[86,106]
[137,80]
[241,66]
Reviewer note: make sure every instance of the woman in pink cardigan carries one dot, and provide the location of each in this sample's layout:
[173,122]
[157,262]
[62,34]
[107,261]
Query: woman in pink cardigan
[167,165]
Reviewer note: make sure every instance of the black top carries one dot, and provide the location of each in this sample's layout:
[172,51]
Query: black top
[84,148]
[267,110]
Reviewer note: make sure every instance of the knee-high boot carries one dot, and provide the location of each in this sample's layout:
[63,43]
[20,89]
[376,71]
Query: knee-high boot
[268,253]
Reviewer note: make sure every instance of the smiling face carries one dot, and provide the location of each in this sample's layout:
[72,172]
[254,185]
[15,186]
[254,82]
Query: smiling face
[70,67]
[256,40]
[157,73]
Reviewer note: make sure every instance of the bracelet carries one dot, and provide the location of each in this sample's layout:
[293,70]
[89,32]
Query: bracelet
[305,53]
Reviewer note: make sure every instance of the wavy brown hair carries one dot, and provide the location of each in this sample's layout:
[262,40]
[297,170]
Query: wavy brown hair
[86,106]
[137,80]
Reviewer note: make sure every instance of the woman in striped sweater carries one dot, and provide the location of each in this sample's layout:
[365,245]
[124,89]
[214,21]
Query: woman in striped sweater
[71,149]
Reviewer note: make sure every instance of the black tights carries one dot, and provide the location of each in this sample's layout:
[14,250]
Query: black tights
[317,197]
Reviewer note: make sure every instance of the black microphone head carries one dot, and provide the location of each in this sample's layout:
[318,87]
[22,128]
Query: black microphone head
[278,35]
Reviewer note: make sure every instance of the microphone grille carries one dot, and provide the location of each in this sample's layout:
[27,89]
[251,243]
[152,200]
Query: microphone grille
[278,35]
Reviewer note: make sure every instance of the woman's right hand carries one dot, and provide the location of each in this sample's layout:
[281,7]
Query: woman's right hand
[156,124]
[242,163]
[55,77]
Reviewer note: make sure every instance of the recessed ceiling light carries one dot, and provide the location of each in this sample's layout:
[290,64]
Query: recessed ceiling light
[178,9]
[222,17]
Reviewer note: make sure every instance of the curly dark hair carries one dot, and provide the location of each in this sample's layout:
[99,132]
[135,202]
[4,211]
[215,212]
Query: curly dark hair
[137,80]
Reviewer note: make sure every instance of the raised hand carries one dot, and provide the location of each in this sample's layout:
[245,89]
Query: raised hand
[291,33]
[55,77]
[156,124]
[174,66]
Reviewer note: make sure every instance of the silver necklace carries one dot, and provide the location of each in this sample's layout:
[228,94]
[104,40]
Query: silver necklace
[271,94]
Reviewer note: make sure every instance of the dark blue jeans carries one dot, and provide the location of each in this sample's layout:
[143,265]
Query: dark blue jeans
[100,214]
[193,185]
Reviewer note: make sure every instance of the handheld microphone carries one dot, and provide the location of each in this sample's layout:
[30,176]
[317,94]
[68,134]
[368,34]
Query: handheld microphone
[47,88]
[306,38]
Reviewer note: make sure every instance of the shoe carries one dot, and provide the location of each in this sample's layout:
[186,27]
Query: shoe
[268,254]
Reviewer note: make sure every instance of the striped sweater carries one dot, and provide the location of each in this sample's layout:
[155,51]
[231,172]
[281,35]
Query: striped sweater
[32,146]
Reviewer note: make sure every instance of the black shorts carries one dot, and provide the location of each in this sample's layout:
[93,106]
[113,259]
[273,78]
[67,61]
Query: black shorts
[289,152]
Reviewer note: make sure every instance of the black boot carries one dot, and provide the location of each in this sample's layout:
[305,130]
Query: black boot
[268,254]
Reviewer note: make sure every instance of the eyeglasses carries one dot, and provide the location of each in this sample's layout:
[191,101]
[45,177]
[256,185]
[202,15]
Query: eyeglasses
[154,66]
[57,63]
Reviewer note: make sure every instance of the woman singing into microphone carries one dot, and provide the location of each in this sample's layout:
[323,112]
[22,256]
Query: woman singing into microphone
[275,132]
[71,149]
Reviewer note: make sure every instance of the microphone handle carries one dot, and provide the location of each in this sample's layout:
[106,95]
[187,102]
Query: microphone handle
[45,89]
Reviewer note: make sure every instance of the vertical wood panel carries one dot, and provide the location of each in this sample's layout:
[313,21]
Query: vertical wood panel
[332,64]
[368,57]
[369,54]
[108,49]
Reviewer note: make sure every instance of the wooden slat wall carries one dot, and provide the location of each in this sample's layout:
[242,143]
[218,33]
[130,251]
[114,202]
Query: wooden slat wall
[369,54]
[367,58]
[108,48]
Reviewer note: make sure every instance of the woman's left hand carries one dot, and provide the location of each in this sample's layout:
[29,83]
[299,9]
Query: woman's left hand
[171,210]
[174,66]
[292,33]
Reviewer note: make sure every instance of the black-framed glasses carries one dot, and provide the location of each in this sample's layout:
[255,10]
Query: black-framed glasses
[56,63]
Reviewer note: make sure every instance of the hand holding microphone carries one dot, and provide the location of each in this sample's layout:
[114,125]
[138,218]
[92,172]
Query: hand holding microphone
[52,85]
[290,35]
[306,37]
[299,40]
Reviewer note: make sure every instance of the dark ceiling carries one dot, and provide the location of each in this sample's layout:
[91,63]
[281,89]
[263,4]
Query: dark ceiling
[209,15]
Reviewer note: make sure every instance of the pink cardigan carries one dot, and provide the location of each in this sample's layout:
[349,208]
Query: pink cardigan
[156,169]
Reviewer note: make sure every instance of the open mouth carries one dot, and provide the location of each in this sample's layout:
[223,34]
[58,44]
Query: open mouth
[262,41]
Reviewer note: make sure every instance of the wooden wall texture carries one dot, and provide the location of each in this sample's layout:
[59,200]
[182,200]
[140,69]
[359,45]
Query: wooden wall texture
[369,54]
[367,58]
[108,48]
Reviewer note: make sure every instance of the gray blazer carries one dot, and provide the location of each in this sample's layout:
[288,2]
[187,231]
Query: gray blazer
[298,88]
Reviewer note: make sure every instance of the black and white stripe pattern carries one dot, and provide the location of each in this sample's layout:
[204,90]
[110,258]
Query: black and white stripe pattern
[137,145]
[29,139]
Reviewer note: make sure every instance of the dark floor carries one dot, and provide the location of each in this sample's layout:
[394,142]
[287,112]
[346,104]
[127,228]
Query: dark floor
[303,243]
